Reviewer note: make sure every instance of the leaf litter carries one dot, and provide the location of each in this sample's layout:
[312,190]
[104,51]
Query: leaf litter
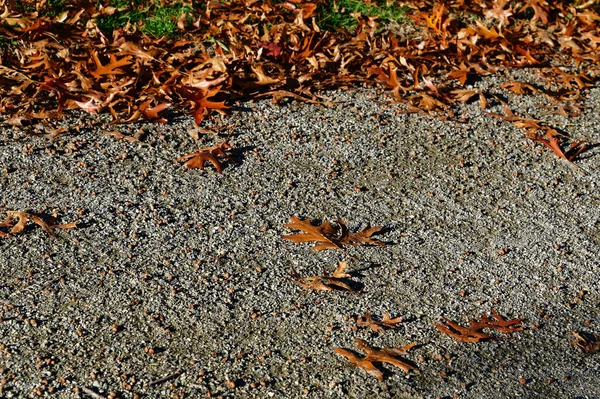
[246,50]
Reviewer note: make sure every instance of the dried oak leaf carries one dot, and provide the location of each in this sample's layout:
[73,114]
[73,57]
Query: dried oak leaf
[553,141]
[385,355]
[330,236]
[519,88]
[326,282]
[210,154]
[199,97]
[377,326]
[111,67]
[474,333]
[22,219]
[588,343]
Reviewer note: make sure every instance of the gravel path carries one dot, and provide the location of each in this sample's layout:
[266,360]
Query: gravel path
[176,284]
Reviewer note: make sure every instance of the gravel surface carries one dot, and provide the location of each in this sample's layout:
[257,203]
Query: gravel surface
[176,283]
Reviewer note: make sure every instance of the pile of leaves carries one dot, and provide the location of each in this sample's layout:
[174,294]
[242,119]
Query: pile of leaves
[231,49]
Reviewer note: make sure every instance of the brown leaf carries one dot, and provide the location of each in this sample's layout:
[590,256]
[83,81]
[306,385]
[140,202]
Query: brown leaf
[326,282]
[120,136]
[329,236]
[385,355]
[210,154]
[111,67]
[552,139]
[361,237]
[519,88]
[323,233]
[200,98]
[22,219]
[263,79]
[474,332]
[152,113]
[588,343]
[553,142]
[378,326]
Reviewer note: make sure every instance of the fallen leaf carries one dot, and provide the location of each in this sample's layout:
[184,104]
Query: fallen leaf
[263,79]
[474,332]
[111,67]
[519,88]
[326,282]
[553,141]
[378,326]
[120,136]
[152,113]
[385,355]
[588,343]
[330,236]
[22,219]
[210,154]
[200,97]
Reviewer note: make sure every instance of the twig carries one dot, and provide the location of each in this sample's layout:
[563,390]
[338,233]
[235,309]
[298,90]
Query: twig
[93,394]
[164,379]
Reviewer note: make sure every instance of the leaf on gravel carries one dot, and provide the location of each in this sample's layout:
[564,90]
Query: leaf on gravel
[519,88]
[22,219]
[210,154]
[474,333]
[553,141]
[463,96]
[328,235]
[326,282]
[336,281]
[551,138]
[385,355]
[376,325]
[588,343]
[120,136]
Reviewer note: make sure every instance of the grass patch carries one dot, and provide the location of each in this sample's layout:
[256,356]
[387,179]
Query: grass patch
[335,15]
[163,21]
[6,43]
[154,19]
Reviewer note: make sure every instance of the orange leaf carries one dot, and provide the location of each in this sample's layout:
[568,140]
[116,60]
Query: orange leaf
[200,98]
[111,67]
[338,280]
[474,333]
[329,236]
[24,217]
[211,154]
[385,355]
[378,326]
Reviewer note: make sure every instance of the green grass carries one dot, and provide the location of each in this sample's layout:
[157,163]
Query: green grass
[154,19]
[335,15]
[6,43]
[163,21]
